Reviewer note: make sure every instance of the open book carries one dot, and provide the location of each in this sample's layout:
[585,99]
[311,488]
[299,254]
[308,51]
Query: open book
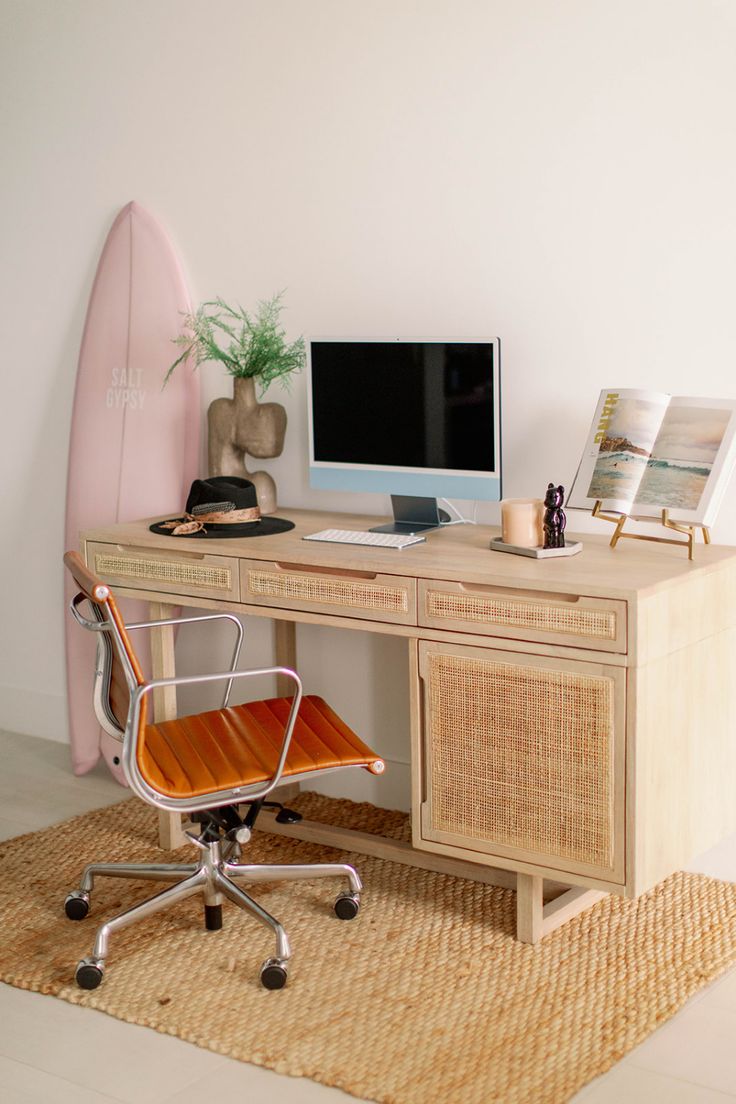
[648,452]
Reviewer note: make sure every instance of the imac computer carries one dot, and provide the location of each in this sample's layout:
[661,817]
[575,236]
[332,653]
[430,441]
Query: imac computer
[418,420]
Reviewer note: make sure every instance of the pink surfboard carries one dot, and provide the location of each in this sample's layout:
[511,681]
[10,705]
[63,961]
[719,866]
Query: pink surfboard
[134,447]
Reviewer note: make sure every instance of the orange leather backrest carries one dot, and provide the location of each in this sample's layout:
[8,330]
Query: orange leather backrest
[100,593]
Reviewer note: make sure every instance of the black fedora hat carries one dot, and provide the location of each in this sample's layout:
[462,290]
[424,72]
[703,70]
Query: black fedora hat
[223,506]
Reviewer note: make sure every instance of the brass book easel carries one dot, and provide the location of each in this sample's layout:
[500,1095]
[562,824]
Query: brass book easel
[619,520]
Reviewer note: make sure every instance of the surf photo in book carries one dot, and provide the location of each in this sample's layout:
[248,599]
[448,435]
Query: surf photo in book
[648,452]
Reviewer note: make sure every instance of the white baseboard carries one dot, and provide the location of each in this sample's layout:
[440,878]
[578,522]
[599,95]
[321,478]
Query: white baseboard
[34,713]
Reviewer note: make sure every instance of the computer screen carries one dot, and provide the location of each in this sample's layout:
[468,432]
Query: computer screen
[406,417]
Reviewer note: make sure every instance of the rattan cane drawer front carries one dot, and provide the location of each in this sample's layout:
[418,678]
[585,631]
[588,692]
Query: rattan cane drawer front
[364,595]
[568,619]
[178,573]
[524,758]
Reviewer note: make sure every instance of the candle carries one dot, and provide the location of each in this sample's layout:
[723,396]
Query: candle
[521,522]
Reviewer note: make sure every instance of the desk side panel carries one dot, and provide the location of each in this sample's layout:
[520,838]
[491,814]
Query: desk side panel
[683,747]
[692,608]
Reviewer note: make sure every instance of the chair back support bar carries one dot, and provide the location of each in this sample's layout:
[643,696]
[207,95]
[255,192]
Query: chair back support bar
[117,669]
[99,593]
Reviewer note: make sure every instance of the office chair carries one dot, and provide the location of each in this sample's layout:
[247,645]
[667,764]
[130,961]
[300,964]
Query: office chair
[207,765]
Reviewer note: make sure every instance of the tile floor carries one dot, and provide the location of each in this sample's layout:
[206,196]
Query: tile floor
[53,1052]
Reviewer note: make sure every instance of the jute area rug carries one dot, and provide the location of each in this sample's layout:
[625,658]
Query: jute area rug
[425,997]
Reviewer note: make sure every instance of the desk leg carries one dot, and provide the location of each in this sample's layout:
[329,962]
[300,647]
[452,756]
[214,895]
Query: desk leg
[535,918]
[285,656]
[529,908]
[170,835]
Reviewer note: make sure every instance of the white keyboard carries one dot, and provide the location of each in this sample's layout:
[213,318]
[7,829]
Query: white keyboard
[373,540]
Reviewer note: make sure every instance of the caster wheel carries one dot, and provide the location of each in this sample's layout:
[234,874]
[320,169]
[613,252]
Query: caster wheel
[76,905]
[347,906]
[90,973]
[273,973]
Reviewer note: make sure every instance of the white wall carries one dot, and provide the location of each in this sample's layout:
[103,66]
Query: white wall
[558,172]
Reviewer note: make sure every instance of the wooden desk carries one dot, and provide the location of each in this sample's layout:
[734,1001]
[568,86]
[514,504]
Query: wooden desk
[572,719]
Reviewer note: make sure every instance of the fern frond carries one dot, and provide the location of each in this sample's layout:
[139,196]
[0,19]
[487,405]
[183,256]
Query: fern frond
[257,345]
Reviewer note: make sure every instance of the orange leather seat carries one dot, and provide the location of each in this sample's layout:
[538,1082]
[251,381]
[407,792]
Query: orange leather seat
[240,745]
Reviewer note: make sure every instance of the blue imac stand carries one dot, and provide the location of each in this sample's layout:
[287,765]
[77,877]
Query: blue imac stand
[413,514]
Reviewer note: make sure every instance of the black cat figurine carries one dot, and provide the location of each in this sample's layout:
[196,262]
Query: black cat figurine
[554,517]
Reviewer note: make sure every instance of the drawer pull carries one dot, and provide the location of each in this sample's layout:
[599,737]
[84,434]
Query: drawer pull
[513,592]
[154,554]
[343,572]
[332,590]
[164,571]
[481,609]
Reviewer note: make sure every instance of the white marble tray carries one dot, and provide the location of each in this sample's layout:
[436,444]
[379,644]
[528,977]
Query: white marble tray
[497,545]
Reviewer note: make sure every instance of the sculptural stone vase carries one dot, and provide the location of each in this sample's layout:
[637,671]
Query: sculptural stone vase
[243,426]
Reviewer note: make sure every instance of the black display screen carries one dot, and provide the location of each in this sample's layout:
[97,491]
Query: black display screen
[404,404]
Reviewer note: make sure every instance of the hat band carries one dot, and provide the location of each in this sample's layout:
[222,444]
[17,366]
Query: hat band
[215,517]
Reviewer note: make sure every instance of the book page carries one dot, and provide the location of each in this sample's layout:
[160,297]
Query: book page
[691,461]
[624,429]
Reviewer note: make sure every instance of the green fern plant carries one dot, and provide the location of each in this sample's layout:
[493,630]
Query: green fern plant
[249,347]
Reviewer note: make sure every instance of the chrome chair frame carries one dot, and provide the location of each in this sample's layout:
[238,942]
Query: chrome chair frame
[212,875]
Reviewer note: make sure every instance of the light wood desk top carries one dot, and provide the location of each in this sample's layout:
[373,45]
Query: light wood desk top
[457,552]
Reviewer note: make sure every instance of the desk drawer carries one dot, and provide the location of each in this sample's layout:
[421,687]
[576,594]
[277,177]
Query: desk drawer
[361,594]
[572,619]
[175,573]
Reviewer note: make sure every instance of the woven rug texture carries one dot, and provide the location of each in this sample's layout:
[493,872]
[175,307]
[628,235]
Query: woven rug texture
[425,998]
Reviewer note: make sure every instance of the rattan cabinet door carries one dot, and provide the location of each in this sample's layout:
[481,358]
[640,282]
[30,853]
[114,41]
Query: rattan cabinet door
[523,758]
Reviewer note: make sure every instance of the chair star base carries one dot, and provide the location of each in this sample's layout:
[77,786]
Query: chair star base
[214,877]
